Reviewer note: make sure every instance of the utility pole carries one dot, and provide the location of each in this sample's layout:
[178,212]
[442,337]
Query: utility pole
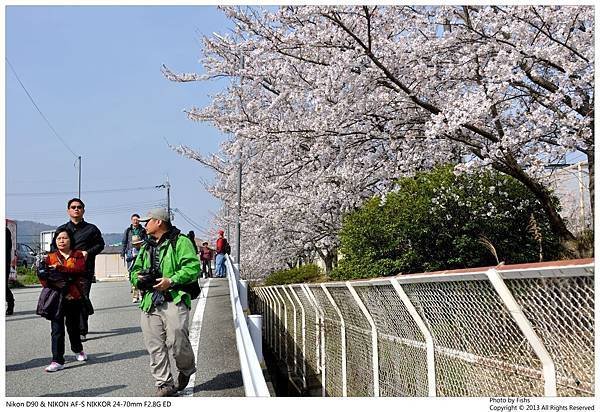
[239,183]
[79,180]
[239,207]
[167,186]
[227,220]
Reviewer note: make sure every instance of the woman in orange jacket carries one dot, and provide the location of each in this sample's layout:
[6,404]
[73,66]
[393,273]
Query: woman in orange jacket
[67,266]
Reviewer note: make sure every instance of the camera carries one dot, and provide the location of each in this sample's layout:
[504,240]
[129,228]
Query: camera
[147,279]
[42,269]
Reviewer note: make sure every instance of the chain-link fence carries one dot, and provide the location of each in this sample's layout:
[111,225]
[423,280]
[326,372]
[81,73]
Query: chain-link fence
[521,330]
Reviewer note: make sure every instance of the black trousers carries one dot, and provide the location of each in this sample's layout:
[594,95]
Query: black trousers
[83,316]
[71,312]
[206,268]
[10,299]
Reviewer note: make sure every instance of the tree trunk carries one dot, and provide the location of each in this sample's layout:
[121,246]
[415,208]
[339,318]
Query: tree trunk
[328,257]
[328,263]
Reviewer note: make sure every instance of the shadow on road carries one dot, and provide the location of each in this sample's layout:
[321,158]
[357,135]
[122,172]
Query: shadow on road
[30,364]
[87,392]
[102,357]
[19,315]
[41,363]
[114,332]
[105,357]
[227,380]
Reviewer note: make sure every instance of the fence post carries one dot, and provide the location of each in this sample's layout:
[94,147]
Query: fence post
[303,335]
[295,334]
[267,312]
[375,357]
[275,319]
[320,337]
[242,286]
[278,322]
[285,326]
[343,339]
[534,340]
[431,388]
[255,330]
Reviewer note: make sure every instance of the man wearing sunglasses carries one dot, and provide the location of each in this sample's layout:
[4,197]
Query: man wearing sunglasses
[89,240]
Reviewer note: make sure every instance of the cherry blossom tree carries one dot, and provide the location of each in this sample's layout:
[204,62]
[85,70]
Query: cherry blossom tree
[329,105]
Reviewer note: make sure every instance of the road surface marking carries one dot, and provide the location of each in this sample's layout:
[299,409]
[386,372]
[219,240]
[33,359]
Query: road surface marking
[195,335]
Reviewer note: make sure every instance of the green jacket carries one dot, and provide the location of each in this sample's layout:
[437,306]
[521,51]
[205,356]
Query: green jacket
[181,266]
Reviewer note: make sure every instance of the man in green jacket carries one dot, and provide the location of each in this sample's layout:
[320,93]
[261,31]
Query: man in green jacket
[165,263]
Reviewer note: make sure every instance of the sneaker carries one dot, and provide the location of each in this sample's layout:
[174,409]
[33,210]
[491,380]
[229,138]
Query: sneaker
[81,356]
[182,381]
[54,366]
[166,390]
[134,300]
[83,338]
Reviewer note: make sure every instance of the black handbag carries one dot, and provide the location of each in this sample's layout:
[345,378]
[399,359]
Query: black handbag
[50,304]
[87,305]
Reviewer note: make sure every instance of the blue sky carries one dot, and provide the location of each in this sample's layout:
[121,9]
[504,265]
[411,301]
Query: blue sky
[95,74]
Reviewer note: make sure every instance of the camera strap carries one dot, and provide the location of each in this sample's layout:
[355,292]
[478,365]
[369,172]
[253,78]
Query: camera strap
[154,257]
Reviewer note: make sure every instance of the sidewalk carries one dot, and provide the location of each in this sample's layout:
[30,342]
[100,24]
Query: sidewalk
[218,365]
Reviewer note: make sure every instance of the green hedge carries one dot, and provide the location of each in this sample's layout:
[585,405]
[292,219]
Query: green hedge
[302,274]
[437,220]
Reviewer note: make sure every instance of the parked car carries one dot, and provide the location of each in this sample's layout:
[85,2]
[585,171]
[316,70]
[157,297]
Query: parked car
[25,255]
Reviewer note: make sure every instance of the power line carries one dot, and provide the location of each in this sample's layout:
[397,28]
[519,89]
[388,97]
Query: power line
[125,189]
[108,210]
[38,109]
[190,221]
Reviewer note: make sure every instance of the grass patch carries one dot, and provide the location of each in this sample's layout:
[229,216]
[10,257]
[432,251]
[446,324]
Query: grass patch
[25,277]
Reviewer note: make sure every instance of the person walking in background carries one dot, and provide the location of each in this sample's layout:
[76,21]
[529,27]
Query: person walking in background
[222,248]
[65,269]
[134,229]
[206,257]
[10,299]
[166,263]
[129,250]
[88,240]
[192,236]
[136,242]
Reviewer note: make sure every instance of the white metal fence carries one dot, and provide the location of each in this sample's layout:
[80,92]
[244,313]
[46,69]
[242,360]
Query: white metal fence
[252,376]
[522,330]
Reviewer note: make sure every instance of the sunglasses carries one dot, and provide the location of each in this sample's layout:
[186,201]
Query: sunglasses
[76,207]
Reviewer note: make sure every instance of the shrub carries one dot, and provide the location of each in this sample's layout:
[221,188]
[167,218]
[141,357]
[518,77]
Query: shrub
[25,276]
[437,220]
[302,274]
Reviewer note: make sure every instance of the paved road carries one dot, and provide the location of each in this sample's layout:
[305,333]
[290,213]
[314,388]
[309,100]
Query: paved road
[118,363]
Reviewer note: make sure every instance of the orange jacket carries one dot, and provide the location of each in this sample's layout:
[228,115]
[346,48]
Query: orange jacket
[72,268]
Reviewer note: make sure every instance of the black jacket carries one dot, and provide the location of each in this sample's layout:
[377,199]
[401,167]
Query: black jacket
[87,237]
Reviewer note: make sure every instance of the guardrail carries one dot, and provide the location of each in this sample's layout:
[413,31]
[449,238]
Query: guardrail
[519,330]
[253,378]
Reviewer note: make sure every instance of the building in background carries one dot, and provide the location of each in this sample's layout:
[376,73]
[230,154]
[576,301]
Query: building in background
[571,185]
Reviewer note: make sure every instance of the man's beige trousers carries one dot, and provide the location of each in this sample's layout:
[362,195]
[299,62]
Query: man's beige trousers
[166,329]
